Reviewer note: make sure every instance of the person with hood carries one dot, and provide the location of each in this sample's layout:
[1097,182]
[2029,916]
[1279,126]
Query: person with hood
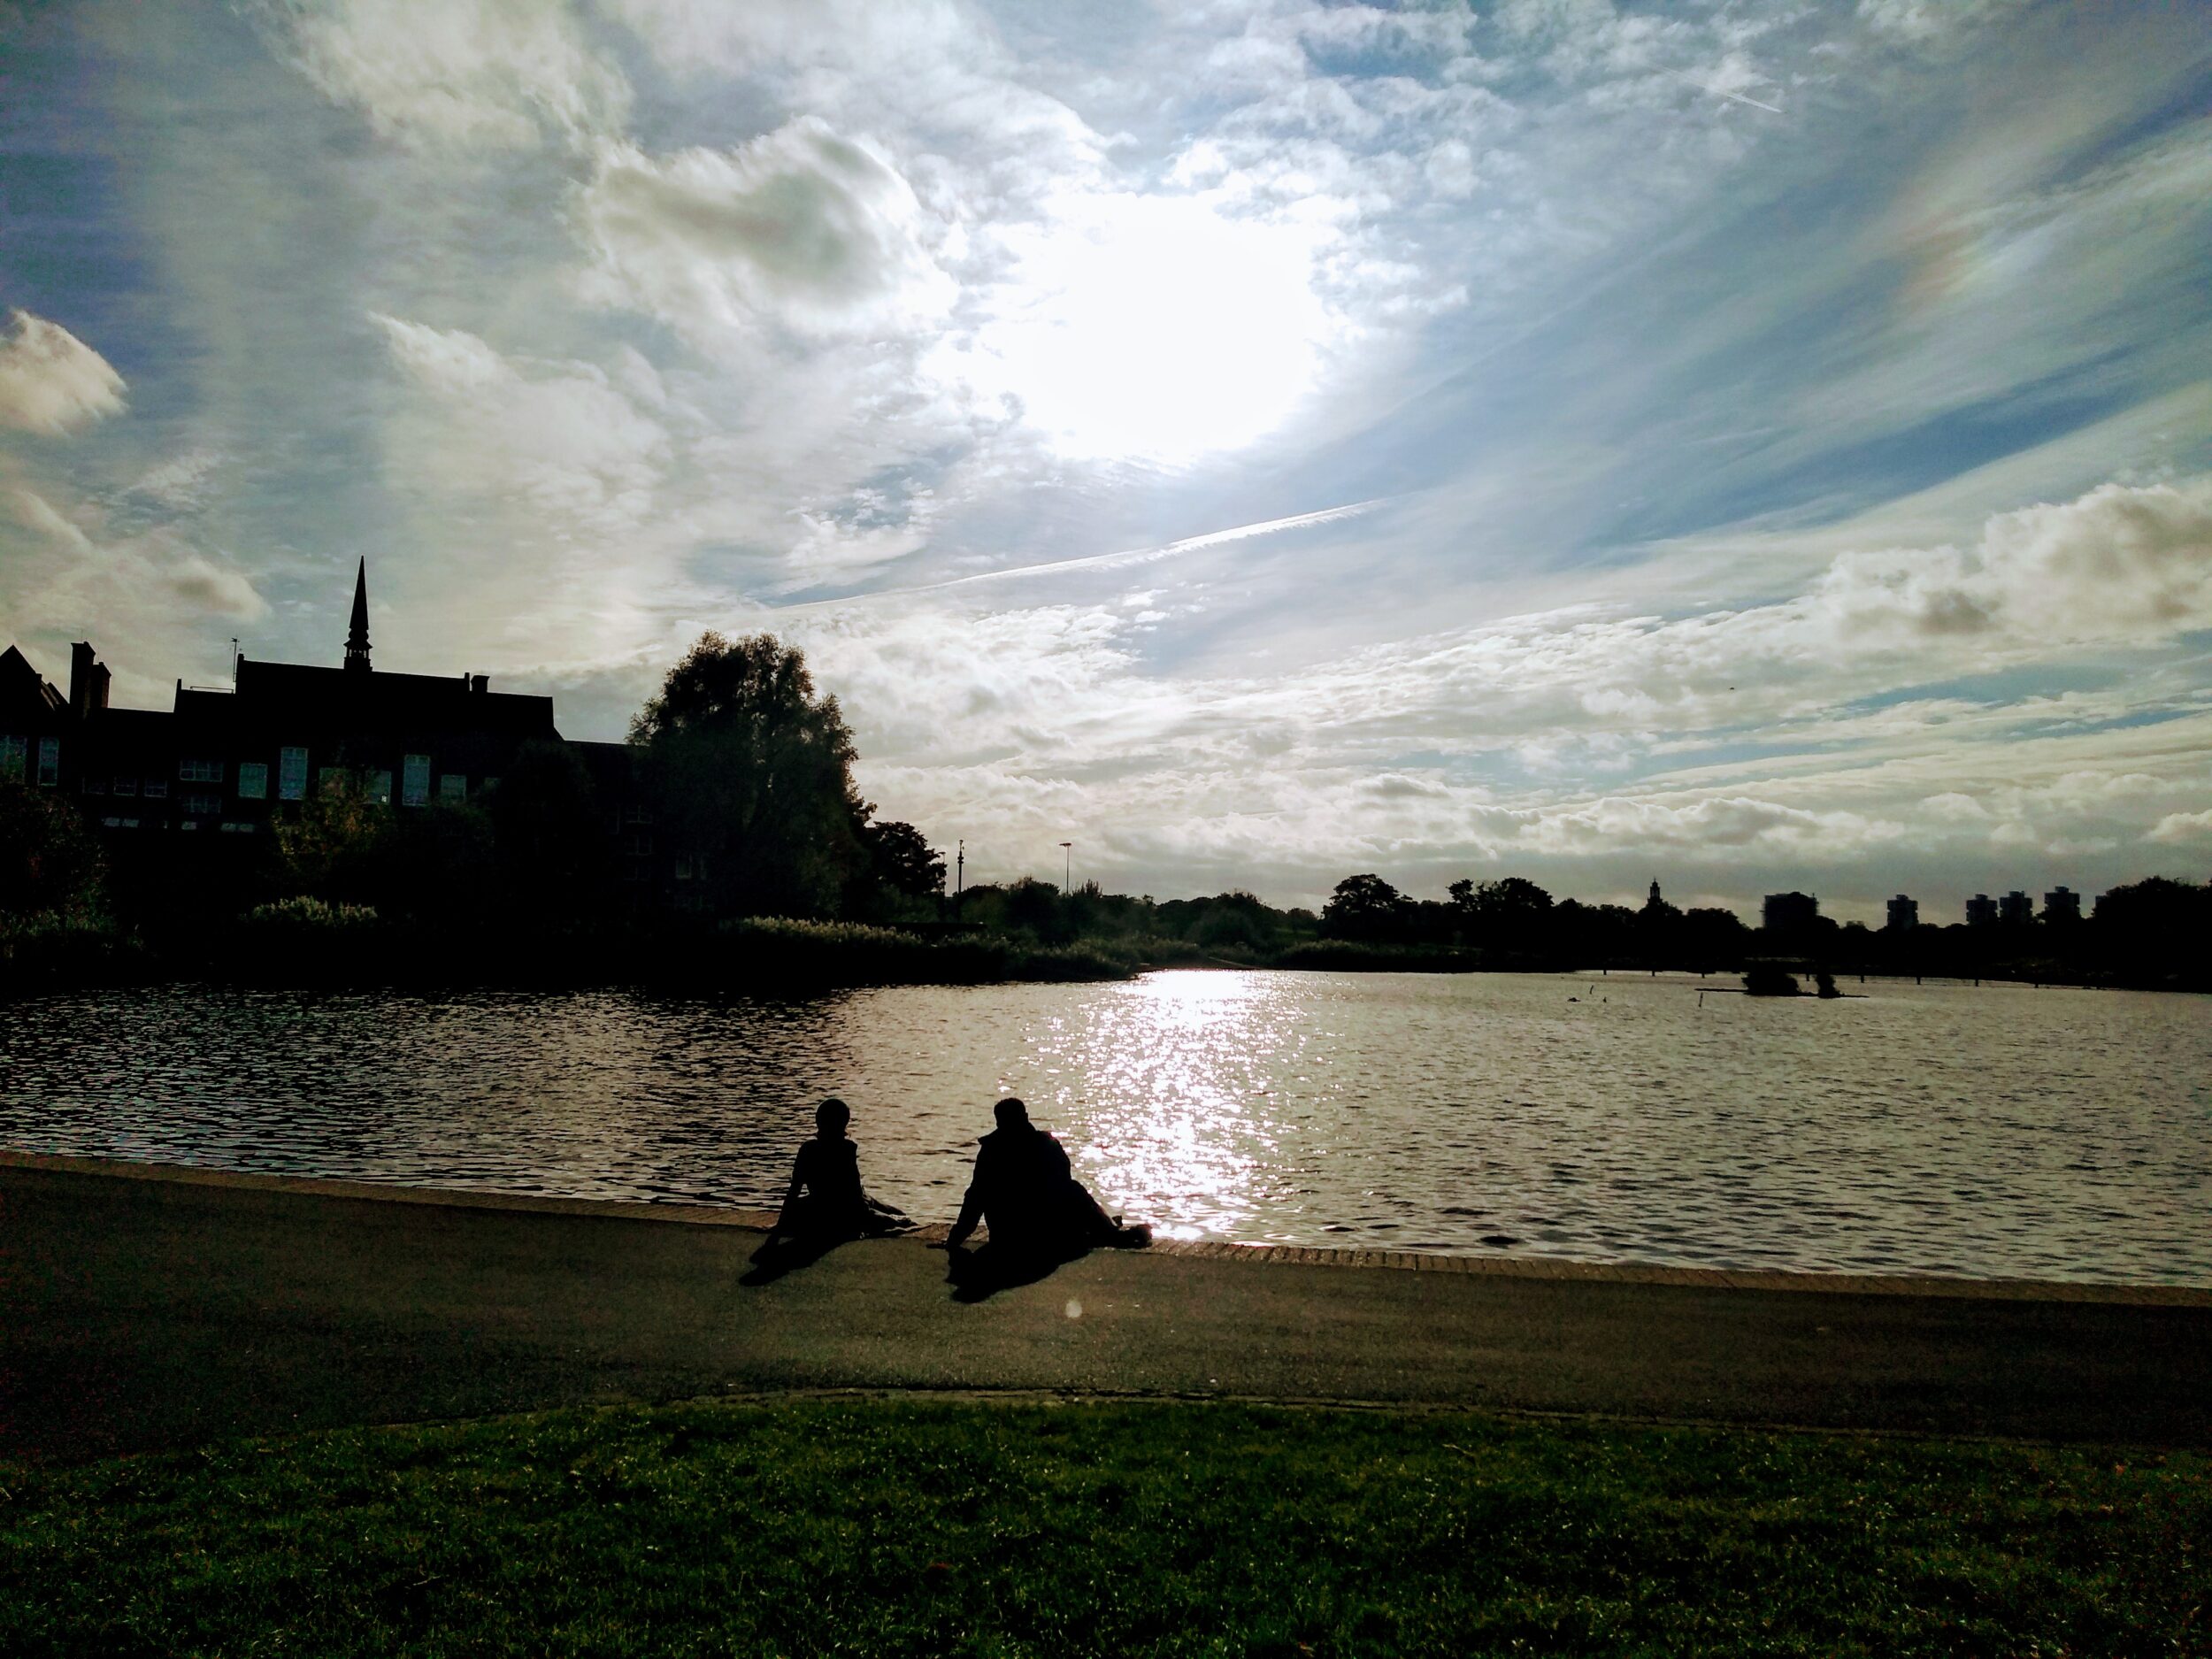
[1025,1193]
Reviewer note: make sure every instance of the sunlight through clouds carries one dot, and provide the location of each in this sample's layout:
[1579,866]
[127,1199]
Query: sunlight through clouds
[1150,327]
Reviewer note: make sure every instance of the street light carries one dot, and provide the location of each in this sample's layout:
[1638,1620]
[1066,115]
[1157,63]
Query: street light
[1067,865]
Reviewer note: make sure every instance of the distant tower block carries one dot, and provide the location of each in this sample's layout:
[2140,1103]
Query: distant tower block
[1904,914]
[2061,905]
[1981,911]
[358,634]
[1655,901]
[2015,910]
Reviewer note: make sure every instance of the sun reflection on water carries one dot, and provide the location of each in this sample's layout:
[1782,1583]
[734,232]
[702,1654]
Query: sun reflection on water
[1172,1095]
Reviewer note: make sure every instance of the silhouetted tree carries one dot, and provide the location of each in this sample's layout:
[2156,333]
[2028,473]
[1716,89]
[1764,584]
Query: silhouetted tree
[334,846]
[751,775]
[555,848]
[49,864]
[1364,907]
[1509,914]
[901,860]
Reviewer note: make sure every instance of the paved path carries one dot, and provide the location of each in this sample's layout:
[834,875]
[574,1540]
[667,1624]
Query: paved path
[143,1307]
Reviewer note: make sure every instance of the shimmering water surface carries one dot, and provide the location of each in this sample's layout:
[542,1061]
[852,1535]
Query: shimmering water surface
[1998,1132]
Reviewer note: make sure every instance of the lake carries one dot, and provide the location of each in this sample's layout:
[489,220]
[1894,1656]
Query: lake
[1991,1132]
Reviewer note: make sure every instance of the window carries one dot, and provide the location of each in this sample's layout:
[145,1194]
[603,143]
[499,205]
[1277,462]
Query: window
[157,789]
[452,785]
[233,826]
[378,787]
[127,786]
[414,781]
[199,771]
[637,812]
[95,785]
[12,757]
[253,780]
[204,805]
[330,780]
[291,774]
[49,760]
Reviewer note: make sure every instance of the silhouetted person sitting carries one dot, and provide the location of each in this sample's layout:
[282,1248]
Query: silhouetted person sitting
[825,1204]
[1025,1193]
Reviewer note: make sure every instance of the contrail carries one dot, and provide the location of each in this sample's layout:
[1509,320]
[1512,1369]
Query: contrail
[1753,102]
[1125,555]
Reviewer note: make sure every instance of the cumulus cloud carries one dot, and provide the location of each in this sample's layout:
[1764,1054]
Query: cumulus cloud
[801,229]
[492,73]
[2184,829]
[50,380]
[2120,563]
[75,572]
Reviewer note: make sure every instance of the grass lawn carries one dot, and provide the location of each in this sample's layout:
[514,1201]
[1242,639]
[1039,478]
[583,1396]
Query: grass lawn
[916,1527]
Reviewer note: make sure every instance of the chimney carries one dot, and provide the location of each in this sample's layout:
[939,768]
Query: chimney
[88,682]
[479,682]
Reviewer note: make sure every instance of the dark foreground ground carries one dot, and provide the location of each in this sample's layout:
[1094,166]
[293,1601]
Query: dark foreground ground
[143,1309]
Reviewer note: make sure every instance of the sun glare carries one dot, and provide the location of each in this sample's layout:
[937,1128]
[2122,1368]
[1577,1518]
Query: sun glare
[1154,328]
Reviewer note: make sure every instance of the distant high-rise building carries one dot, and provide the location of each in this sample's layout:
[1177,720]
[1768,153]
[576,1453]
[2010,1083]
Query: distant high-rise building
[2015,909]
[2061,905]
[1655,901]
[1787,912]
[1904,914]
[1981,911]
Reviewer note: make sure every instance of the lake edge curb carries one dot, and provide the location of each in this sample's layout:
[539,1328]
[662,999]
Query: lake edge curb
[1212,1249]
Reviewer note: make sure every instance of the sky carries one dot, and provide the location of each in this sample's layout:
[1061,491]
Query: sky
[1747,446]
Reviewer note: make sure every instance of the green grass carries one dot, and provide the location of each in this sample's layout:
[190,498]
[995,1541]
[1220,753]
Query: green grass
[913,1528]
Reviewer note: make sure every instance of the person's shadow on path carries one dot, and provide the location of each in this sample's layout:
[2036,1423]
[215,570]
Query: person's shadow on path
[779,1256]
[978,1274]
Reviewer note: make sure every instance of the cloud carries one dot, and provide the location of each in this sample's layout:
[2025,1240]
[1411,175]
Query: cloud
[76,573]
[447,74]
[563,435]
[1922,22]
[800,229]
[51,381]
[2184,829]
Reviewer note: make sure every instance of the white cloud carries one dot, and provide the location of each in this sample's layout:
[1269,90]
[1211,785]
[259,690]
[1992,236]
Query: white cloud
[562,435]
[801,229]
[50,380]
[488,74]
[2184,829]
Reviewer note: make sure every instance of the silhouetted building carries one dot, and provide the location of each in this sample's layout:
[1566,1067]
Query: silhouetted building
[227,761]
[1787,913]
[1655,901]
[2015,909]
[2061,905]
[34,722]
[1904,915]
[1981,911]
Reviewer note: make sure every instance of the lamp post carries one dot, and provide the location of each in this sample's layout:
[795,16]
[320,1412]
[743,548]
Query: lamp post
[1067,865]
[960,876]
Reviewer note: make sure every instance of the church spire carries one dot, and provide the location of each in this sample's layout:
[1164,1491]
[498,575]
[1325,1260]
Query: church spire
[358,635]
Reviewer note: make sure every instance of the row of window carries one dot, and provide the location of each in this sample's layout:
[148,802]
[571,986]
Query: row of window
[15,758]
[253,777]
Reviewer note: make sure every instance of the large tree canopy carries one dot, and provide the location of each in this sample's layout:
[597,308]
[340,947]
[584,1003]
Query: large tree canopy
[752,778]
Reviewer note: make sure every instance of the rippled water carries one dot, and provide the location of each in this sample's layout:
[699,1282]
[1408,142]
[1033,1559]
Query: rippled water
[1999,1131]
